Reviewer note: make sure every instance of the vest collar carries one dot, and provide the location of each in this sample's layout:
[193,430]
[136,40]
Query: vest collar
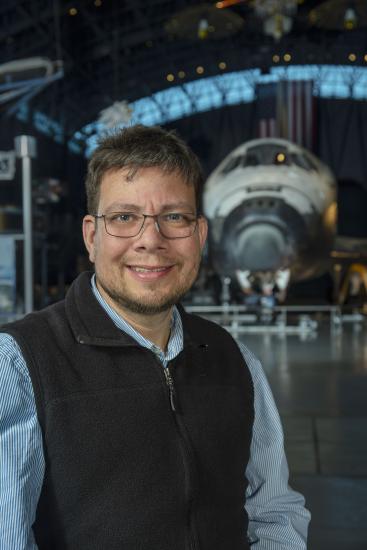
[89,322]
[191,337]
[91,325]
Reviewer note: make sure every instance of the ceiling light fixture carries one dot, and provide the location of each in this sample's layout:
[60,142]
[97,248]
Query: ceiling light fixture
[277,16]
[350,18]
[204,22]
[203,29]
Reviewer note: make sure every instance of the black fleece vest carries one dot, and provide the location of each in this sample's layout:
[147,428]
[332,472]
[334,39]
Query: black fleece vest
[136,459]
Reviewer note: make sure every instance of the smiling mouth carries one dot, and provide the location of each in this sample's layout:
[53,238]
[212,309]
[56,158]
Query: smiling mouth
[149,273]
[141,269]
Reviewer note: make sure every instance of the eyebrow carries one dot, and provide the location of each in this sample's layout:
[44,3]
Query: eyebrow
[128,207]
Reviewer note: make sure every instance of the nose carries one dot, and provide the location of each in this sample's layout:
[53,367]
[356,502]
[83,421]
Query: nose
[150,237]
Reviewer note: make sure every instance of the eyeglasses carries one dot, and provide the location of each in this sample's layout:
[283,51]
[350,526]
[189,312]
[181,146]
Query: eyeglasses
[173,225]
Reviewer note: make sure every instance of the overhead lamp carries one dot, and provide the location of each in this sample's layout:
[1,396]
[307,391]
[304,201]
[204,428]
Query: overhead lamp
[200,69]
[203,21]
[352,57]
[73,11]
[170,77]
[222,65]
[287,57]
[350,18]
[277,16]
[181,74]
[339,14]
[276,58]
[203,29]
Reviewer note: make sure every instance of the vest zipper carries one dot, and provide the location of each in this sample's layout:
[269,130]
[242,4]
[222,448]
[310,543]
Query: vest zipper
[171,389]
[188,455]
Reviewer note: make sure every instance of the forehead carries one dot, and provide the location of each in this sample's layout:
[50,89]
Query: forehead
[145,184]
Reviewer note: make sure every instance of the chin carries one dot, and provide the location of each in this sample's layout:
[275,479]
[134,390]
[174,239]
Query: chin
[149,306]
[143,301]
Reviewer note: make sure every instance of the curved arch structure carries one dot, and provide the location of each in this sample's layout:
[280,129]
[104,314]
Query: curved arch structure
[205,94]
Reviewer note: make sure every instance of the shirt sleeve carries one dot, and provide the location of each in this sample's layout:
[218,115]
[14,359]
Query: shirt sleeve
[278,519]
[21,453]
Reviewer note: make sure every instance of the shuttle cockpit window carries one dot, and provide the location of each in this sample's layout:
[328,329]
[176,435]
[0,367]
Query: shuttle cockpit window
[303,161]
[269,154]
[250,160]
[233,163]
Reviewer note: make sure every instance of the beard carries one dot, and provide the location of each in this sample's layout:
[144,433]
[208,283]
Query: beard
[138,305]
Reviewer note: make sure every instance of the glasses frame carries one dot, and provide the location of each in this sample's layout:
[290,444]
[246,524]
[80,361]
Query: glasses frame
[156,223]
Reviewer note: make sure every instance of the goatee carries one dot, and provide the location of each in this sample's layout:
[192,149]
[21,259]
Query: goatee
[143,308]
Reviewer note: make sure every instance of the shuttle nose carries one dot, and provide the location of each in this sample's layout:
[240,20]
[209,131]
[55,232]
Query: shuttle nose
[261,247]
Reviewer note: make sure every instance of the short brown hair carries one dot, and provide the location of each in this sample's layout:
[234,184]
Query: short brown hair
[140,146]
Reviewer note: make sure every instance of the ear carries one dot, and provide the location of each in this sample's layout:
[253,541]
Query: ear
[89,235]
[202,231]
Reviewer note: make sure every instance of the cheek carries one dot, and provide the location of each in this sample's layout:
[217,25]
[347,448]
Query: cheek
[111,253]
[192,255]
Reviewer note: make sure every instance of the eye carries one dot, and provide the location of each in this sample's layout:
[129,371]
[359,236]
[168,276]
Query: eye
[174,217]
[123,217]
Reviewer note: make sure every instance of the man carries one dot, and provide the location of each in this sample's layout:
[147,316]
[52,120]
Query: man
[127,423]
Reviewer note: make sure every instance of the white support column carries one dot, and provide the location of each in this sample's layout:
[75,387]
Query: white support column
[25,147]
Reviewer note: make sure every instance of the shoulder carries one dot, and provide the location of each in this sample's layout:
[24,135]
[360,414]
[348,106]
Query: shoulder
[250,358]
[16,338]
[11,358]
[34,324]
[199,327]
[254,365]
[9,349]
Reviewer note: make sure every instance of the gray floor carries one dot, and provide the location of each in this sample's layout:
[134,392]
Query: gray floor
[320,386]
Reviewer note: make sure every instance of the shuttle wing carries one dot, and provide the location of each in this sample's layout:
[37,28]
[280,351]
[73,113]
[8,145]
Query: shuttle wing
[347,249]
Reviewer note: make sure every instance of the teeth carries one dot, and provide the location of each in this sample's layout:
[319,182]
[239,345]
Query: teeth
[144,270]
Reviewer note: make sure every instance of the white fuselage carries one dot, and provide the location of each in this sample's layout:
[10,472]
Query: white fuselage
[271,205]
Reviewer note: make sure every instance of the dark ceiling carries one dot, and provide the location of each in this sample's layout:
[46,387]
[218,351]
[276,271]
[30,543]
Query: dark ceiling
[122,50]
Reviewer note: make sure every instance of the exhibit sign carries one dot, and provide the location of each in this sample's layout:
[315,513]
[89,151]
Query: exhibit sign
[7,165]
[7,274]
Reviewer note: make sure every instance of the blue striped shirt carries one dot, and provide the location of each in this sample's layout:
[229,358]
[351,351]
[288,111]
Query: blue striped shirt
[278,519]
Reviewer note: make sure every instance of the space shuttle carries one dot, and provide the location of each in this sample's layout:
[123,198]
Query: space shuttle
[272,212]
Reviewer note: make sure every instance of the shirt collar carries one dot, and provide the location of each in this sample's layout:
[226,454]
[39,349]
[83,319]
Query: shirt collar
[175,342]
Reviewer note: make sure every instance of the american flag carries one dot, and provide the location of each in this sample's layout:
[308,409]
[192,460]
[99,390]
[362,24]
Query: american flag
[287,109]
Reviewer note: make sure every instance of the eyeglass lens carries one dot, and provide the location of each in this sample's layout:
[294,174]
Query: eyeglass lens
[172,225]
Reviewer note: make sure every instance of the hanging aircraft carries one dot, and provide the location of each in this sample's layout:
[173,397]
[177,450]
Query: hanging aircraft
[272,212]
[22,79]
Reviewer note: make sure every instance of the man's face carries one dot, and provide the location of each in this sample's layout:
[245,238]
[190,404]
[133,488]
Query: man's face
[147,273]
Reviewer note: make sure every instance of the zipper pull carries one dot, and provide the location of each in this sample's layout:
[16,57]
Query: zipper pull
[171,387]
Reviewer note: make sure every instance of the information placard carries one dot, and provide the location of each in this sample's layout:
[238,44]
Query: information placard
[7,274]
[7,165]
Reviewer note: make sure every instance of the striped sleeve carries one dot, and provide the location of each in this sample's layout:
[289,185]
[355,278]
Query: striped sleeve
[278,519]
[21,454]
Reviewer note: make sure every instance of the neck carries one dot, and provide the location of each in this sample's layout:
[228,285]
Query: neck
[155,328]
